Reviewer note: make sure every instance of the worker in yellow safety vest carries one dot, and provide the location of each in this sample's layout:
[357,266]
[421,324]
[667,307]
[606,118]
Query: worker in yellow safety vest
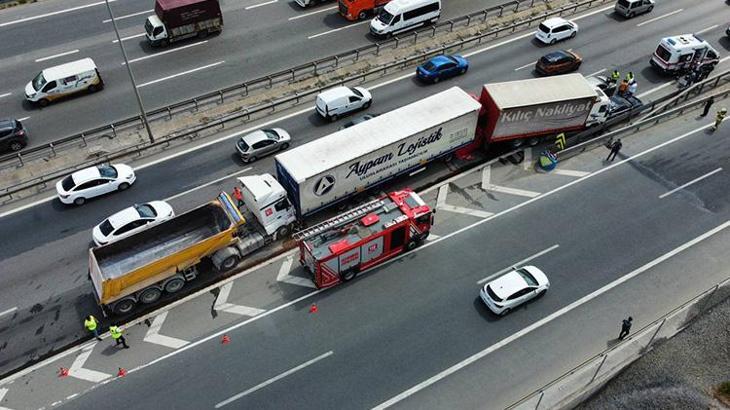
[92,325]
[719,118]
[116,333]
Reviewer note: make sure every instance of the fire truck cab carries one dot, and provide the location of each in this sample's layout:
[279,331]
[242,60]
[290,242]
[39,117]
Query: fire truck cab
[338,249]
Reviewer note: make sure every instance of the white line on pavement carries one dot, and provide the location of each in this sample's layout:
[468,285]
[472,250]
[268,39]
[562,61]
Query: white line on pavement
[179,194]
[441,197]
[23,118]
[180,74]
[660,17]
[128,16]
[570,172]
[655,89]
[517,264]
[704,30]
[76,370]
[11,310]
[40,16]
[222,304]
[129,37]
[153,334]
[666,194]
[285,277]
[274,379]
[38,60]
[314,12]
[525,66]
[337,29]
[5,95]
[596,73]
[471,359]
[166,52]
[512,191]
[3,392]
[261,4]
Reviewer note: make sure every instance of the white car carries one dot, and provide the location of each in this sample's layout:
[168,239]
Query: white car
[338,101]
[92,182]
[513,289]
[555,29]
[131,220]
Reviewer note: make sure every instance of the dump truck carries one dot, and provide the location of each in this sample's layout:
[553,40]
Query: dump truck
[176,20]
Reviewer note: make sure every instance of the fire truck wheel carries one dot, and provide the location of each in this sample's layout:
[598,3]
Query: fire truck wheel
[348,275]
[411,245]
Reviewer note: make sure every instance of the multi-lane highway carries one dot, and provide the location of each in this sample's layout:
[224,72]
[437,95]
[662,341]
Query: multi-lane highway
[259,37]
[45,263]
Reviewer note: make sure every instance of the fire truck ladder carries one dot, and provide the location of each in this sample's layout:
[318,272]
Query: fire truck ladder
[338,220]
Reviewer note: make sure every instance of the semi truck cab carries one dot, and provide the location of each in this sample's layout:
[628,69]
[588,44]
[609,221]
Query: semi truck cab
[266,199]
[155,30]
[599,111]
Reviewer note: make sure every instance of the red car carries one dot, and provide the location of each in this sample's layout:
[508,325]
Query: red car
[558,62]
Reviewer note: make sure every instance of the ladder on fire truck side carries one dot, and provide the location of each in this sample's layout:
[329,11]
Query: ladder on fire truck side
[339,220]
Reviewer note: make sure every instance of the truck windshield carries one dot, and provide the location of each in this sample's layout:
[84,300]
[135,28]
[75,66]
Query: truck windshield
[385,17]
[148,27]
[39,81]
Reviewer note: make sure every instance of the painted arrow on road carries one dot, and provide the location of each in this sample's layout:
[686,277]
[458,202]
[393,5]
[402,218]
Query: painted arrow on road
[153,334]
[77,368]
[285,277]
[3,392]
[221,303]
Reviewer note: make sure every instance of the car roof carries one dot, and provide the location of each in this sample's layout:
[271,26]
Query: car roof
[506,285]
[334,93]
[442,59]
[555,55]
[85,174]
[555,21]
[124,217]
[254,137]
[66,70]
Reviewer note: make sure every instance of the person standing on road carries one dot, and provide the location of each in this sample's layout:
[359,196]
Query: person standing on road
[629,76]
[623,88]
[116,332]
[708,104]
[238,195]
[615,76]
[625,328]
[719,117]
[615,148]
[92,325]
[632,87]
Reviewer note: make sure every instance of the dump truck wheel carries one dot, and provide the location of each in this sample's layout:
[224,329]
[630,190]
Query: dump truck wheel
[124,306]
[150,295]
[229,262]
[174,285]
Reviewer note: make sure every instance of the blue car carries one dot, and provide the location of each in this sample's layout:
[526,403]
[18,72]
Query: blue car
[440,67]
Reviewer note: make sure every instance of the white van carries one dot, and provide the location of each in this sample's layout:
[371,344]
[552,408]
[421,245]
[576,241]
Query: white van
[678,54]
[62,80]
[401,15]
[338,101]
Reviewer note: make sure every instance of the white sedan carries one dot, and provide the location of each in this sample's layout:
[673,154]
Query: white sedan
[513,289]
[92,182]
[555,29]
[130,221]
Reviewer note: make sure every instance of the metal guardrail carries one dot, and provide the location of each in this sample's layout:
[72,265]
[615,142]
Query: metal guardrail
[268,82]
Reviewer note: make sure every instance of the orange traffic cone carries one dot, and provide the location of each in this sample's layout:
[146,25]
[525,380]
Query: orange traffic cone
[313,308]
[225,340]
[62,372]
[122,372]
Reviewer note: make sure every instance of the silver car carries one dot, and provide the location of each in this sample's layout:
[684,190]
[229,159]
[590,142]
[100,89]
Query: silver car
[630,8]
[261,143]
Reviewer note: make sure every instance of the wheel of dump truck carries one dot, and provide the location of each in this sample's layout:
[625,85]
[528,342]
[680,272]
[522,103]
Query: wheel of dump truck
[124,306]
[229,262]
[150,295]
[174,285]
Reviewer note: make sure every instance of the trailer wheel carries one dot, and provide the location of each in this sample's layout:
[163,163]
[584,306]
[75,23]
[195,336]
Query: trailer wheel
[174,285]
[229,263]
[150,295]
[124,306]
[348,275]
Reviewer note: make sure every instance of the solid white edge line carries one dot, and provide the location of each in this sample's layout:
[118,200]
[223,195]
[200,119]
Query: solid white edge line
[274,379]
[314,12]
[525,66]
[128,16]
[261,4]
[516,264]
[11,310]
[9,23]
[666,194]
[704,30]
[38,60]
[336,29]
[671,13]
[596,73]
[5,95]
[169,77]
[23,118]
[129,37]
[161,53]
[471,359]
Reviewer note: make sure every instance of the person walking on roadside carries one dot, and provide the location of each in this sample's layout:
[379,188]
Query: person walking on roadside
[116,332]
[92,325]
[718,118]
[625,328]
[615,148]
[708,104]
[238,195]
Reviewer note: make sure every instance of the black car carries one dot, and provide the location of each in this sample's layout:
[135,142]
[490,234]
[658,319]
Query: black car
[12,136]
[621,105]
[358,120]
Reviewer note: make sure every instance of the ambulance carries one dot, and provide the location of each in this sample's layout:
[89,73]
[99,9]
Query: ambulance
[678,54]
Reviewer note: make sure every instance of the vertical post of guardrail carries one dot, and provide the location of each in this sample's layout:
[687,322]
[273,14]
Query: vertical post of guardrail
[195,100]
[292,74]
[114,130]
[169,113]
[656,333]
[501,10]
[517,7]
[415,37]
[704,305]
[220,92]
[53,149]
[468,20]
[433,31]
[271,81]
[83,138]
[532,3]
[245,89]
[20,159]
[605,356]
[542,394]
[451,26]
[357,54]
[315,67]
[397,40]
[377,49]
[337,61]
[484,20]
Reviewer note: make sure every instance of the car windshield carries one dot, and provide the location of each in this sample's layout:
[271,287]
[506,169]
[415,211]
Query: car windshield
[145,211]
[385,17]
[271,134]
[39,81]
[108,171]
[106,227]
[531,281]
[542,27]
[663,53]
[429,66]
[356,92]
[493,295]
[67,183]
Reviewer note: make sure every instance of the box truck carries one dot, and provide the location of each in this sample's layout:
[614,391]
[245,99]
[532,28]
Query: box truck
[175,20]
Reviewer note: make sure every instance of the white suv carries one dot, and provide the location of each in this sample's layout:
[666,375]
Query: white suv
[555,29]
[336,102]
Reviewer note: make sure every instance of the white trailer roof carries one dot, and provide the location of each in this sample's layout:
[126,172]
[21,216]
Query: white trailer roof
[534,91]
[322,154]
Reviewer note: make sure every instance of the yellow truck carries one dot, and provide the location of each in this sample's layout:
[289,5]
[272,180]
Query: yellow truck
[139,268]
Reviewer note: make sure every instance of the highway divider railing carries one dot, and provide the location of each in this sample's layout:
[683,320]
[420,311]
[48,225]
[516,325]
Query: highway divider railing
[578,384]
[266,108]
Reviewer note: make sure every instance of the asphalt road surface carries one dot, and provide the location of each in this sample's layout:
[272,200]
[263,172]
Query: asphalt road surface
[45,264]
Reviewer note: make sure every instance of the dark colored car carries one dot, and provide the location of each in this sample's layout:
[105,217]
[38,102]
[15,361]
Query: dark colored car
[358,120]
[558,62]
[603,83]
[12,136]
[621,105]
[442,67]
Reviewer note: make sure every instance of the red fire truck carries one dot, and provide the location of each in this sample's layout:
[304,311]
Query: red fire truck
[336,250]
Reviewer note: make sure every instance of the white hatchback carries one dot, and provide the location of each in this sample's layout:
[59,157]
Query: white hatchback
[131,220]
[338,101]
[92,182]
[513,289]
[555,29]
